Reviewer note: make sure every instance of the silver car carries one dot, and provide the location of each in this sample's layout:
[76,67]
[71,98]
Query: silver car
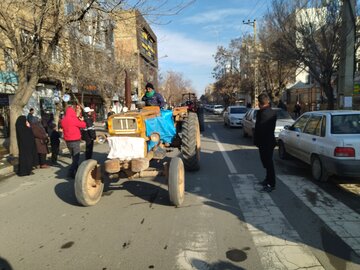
[234,115]
[327,140]
[249,120]
[218,109]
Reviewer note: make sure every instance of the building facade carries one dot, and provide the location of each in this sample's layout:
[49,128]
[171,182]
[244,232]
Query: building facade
[136,50]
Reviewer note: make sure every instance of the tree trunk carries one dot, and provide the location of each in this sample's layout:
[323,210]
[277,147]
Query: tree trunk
[328,90]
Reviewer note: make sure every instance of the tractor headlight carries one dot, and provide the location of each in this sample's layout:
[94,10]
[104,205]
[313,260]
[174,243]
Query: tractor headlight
[155,137]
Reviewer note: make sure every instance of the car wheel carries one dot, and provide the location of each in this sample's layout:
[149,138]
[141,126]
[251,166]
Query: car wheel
[317,170]
[282,151]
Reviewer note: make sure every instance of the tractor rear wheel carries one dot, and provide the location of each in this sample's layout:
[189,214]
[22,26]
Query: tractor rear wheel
[176,181]
[190,147]
[88,190]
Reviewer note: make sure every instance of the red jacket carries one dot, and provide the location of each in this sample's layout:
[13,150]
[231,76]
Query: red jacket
[71,125]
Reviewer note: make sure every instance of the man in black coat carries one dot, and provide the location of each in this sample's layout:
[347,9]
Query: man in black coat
[88,134]
[264,139]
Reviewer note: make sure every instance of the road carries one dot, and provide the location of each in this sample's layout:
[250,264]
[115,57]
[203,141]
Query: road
[224,223]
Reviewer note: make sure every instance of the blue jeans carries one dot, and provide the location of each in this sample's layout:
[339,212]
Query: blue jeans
[74,149]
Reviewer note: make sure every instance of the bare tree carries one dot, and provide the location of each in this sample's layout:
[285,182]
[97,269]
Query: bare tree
[227,71]
[32,29]
[173,85]
[308,33]
[275,71]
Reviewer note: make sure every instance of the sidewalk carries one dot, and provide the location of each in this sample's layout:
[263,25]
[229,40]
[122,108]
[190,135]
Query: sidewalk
[8,166]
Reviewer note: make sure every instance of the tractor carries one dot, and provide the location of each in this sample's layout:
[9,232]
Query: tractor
[135,139]
[190,101]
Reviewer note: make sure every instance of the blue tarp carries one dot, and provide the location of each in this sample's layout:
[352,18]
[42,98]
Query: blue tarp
[164,125]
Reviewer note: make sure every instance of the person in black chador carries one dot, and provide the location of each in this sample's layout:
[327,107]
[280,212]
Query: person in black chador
[264,139]
[152,98]
[28,157]
[88,134]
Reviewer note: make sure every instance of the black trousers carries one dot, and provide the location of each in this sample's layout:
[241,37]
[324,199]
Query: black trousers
[266,156]
[54,153]
[89,149]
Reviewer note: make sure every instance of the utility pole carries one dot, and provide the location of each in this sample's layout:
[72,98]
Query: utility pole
[253,24]
[347,54]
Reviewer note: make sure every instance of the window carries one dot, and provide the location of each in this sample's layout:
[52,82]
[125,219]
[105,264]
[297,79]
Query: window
[345,124]
[9,61]
[313,125]
[238,110]
[56,55]
[299,125]
[323,127]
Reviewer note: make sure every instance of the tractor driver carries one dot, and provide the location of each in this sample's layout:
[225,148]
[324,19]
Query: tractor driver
[152,98]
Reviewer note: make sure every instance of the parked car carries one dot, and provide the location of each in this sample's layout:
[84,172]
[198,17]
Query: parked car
[218,109]
[234,115]
[283,119]
[327,140]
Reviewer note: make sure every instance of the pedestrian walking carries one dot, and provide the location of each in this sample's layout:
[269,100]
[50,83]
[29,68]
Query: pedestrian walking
[71,126]
[88,133]
[264,139]
[55,144]
[28,157]
[297,109]
[41,141]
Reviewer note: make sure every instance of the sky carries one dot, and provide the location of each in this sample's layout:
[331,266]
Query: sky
[187,44]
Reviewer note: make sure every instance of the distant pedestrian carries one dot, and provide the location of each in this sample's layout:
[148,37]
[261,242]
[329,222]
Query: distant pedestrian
[88,134]
[264,139]
[28,157]
[71,126]
[55,144]
[30,115]
[297,109]
[41,141]
[282,105]
[248,105]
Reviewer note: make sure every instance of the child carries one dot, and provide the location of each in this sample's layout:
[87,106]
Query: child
[55,144]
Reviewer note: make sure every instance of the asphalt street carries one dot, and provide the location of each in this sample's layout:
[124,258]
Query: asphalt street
[224,223]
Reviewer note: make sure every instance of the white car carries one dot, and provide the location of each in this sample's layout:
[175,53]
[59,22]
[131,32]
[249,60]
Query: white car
[283,119]
[218,109]
[234,115]
[327,140]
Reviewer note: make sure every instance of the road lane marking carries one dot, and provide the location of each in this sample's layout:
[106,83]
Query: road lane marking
[226,157]
[337,216]
[278,244]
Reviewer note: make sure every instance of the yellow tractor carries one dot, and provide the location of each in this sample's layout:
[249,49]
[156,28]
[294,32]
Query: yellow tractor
[136,138]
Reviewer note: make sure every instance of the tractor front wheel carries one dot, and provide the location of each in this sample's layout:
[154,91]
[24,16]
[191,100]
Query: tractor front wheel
[88,188]
[176,181]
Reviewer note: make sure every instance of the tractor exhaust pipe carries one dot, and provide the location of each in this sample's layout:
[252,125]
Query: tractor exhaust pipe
[127,90]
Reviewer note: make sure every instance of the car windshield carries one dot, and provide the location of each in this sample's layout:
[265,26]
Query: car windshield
[345,124]
[218,107]
[282,114]
[238,110]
